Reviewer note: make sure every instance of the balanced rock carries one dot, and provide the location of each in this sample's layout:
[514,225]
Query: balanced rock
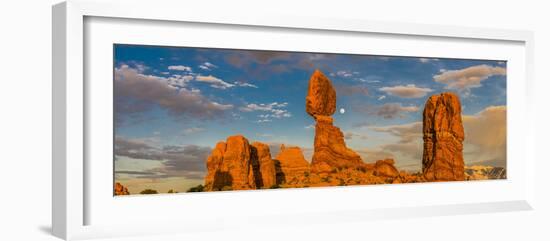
[330,149]
[321,96]
[263,165]
[442,158]
[121,190]
[290,163]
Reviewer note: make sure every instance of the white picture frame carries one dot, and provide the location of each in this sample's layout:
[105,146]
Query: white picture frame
[73,193]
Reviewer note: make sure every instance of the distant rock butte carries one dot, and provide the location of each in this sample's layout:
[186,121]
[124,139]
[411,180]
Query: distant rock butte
[484,172]
[330,149]
[443,132]
[291,163]
[120,190]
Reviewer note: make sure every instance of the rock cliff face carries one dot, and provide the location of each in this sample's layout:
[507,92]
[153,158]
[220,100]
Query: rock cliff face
[230,166]
[237,165]
[264,165]
[442,158]
[120,190]
[330,149]
[290,163]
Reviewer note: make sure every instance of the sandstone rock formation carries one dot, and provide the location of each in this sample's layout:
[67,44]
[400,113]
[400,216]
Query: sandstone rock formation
[290,163]
[321,96]
[385,168]
[237,165]
[442,158]
[330,149]
[229,166]
[120,190]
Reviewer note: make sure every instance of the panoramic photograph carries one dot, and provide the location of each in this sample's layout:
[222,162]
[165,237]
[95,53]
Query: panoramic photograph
[189,119]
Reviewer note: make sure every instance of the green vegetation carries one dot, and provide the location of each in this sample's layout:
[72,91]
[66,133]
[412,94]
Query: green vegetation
[172,191]
[149,191]
[199,188]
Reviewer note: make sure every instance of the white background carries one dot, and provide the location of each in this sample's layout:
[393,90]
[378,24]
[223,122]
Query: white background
[25,30]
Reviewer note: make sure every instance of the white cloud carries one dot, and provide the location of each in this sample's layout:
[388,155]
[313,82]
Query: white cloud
[427,60]
[406,91]
[382,97]
[263,107]
[131,84]
[275,110]
[179,81]
[214,82]
[244,84]
[407,149]
[467,78]
[485,136]
[263,120]
[180,68]
[207,66]
[344,73]
[406,132]
[193,130]
[393,110]
[348,135]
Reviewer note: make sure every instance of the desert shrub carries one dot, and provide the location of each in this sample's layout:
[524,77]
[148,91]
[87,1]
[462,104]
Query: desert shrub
[306,174]
[149,191]
[227,188]
[199,188]
[274,186]
[342,183]
[334,170]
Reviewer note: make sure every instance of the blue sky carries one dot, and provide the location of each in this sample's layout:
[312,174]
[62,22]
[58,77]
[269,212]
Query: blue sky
[172,104]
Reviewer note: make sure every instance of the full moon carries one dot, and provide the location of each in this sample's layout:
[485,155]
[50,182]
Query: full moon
[342,111]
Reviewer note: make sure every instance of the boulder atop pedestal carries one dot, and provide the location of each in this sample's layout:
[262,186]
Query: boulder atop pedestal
[321,96]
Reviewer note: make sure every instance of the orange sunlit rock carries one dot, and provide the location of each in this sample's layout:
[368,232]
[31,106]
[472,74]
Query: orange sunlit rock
[442,158]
